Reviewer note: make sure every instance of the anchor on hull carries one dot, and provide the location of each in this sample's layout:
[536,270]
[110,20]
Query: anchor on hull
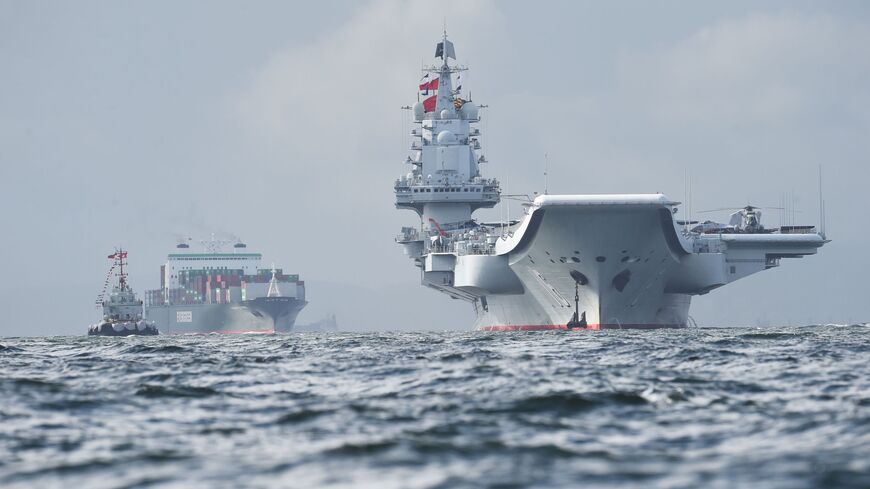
[577,322]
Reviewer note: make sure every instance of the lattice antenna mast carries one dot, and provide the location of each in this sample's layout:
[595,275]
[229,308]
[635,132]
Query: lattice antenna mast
[821,205]
[273,284]
[122,277]
[546,173]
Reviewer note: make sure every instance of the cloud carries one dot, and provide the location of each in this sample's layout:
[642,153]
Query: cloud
[781,91]
[759,69]
[340,86]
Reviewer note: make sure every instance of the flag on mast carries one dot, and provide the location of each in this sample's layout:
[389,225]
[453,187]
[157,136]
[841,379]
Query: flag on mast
[430,85]
[429,104]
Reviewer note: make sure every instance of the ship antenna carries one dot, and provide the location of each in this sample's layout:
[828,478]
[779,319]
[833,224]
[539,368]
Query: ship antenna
[508,209]
[444,21]
[821,205]
[687,205]
[546,172]
[444,46]
[691,204]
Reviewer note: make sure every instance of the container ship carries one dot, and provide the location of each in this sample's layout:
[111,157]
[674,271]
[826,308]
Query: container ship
[218,291]
[596,261]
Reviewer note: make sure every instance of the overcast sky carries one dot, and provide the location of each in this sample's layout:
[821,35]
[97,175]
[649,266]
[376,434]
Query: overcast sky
[134,122]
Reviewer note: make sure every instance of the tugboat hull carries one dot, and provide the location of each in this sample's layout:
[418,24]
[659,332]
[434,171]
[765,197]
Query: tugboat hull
[126,328]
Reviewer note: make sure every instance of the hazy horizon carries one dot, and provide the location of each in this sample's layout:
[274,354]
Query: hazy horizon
[279,123]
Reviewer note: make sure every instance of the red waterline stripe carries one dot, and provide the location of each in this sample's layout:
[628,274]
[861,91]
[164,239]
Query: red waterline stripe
[548,327]
[256,331]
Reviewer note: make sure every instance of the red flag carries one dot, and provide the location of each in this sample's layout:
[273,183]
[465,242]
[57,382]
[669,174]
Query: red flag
[429,104]
[113,256]
[430,85]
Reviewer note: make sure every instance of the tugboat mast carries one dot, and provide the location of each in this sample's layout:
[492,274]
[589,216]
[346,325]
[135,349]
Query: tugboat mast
[119,256]
[122,277]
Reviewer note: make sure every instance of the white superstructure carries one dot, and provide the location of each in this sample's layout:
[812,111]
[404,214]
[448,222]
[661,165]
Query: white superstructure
[212,260]
[590,261]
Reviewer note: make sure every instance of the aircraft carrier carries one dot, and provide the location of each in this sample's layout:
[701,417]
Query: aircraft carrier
[572,261]
[217,291]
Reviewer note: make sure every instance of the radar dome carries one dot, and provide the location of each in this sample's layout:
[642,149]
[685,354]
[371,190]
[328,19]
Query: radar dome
[419,111]
[470,111]
[445,114]
[446,137]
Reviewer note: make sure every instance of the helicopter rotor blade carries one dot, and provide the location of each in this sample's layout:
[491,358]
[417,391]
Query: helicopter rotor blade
[721,209]
[746,207]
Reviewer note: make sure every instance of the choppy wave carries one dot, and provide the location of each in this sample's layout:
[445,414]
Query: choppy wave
[732,407]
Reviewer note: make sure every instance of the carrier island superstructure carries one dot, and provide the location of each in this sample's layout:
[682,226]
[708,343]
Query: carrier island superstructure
[218,291]
[572,261]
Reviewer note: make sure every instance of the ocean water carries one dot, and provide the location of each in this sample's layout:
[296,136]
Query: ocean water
[737,407]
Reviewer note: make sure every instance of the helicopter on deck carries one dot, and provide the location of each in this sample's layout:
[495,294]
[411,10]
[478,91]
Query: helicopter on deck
[743,221]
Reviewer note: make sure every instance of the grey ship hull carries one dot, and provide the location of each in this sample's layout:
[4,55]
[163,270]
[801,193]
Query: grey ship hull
[261,315]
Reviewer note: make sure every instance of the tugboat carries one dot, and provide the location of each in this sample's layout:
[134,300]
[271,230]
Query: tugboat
[122,311]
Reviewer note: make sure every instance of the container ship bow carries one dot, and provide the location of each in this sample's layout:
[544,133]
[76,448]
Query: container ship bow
[572,261]
[223,292]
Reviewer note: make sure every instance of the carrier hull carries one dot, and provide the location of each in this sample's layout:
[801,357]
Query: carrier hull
[617,258]
[617,261]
